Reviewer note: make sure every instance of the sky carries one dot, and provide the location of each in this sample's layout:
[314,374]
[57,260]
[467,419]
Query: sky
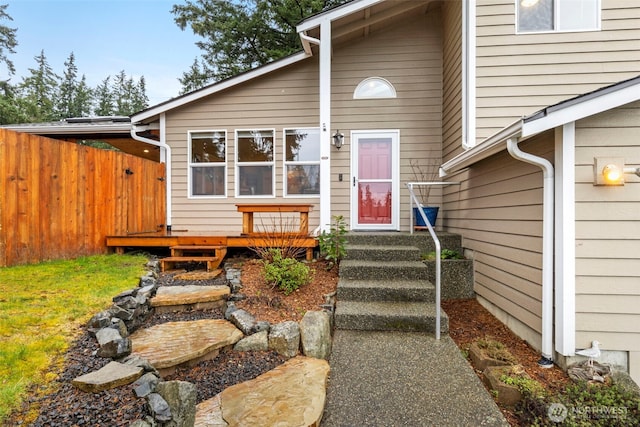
[106,36]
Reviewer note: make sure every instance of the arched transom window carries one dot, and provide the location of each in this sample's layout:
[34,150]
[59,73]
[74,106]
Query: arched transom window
[374,87]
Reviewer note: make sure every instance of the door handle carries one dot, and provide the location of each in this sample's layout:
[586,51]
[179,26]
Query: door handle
[354,181]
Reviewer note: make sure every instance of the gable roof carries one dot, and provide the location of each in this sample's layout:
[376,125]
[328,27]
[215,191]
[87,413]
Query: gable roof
[357,16]
[550,117]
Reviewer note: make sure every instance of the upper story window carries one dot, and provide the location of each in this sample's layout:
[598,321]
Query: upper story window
[557,15]
[302,162]
[374,87]
[207,164]
[255,162]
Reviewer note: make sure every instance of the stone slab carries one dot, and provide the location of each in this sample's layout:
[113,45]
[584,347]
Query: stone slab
[293,394]
[110,376]
[171,344]
[189,294]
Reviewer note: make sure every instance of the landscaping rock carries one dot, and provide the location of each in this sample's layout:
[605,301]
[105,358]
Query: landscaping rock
[507,394]
[174,296]
[137,361]
[119,326]
[284,338]
[112,344]
[481,360]
[230,307]
[112,375]
[145,385]
[260,326]
[181,398]
[293,394]
[315,334]
[256,342]
[243,320]
[209,413]
[99,321]
[171,344]
[158,407]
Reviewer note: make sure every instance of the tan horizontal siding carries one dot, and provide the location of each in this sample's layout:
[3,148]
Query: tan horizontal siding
[608,233]
[409,57]
[452,79]
[518,74]
[498,211]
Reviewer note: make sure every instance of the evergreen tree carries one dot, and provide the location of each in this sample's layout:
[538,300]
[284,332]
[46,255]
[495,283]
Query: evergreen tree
[73,100]
[196,77]
[83,99]
[140,99]
[8,41]
[103,98]
[39,90]
[243,34]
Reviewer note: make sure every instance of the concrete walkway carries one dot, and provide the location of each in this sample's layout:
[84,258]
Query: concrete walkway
[409,379]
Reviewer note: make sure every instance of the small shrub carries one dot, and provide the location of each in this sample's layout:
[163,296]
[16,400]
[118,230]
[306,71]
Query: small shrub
[332,243]
[288,274]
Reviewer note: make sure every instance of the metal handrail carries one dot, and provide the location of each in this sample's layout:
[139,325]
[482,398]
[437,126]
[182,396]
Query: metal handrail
[436,241]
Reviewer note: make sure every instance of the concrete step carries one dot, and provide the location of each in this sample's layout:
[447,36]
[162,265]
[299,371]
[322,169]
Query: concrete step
[385,290]
[420,239]
[388,270]
[383,253]
[457,278]
[389,316]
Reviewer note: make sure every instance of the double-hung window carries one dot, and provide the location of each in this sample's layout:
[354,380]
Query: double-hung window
[207,164]
[557,15]
[255,163]
[302,162]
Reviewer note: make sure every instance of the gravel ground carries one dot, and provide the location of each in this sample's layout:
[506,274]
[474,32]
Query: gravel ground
[68,406]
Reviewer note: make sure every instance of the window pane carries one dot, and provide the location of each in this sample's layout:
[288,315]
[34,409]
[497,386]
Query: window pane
[207,181]
[255,146]
[374,87]
[535,15]
[207,148]
[255,180]
[303,179]
[578,14]
[302,145]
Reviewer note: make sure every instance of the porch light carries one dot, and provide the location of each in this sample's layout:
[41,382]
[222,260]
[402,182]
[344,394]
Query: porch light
[611,171]
[338,139]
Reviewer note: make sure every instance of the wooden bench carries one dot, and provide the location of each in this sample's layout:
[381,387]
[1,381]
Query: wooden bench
[249,209]
[303,209]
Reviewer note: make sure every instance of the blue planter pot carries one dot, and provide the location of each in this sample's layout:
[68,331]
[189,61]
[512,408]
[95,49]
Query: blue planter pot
[430,211]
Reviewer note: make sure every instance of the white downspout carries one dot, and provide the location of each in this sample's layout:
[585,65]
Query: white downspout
[163,145]
[547,246]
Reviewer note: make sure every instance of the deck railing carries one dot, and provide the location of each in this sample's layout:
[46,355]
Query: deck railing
[413,199]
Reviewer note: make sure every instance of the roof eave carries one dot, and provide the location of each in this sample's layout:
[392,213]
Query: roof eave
[336,13]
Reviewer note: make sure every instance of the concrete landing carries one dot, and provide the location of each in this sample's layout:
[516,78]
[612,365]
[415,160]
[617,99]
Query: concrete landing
[293,394]
[172,344]
[404,379]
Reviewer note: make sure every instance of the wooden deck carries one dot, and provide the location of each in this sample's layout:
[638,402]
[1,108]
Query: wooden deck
[182,239]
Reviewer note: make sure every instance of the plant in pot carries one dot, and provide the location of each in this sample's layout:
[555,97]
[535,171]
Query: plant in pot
[424,171]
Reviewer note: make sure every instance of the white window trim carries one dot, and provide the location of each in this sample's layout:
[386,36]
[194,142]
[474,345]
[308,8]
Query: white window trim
[285,163]
[555,22]
[190,165]
[272,163]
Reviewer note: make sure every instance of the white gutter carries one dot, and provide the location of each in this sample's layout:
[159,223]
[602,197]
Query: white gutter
[547,246]
[469,74]
[306,43]
[167,159]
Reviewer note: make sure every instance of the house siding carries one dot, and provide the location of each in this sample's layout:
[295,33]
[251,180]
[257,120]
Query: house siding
[281,100]
[498,211]
[409,56]
[452,80]
[518,74]
[608,234]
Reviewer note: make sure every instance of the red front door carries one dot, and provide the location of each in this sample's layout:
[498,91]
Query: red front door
[374,193]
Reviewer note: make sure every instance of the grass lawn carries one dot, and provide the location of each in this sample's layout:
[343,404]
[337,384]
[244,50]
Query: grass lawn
[41,309]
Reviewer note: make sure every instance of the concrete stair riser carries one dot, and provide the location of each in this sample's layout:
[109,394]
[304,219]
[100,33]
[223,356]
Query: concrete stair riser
[380,290]
[389,316]
[421,240]
[382,253]
[387,270]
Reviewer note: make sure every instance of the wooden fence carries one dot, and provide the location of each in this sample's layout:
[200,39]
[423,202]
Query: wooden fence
[60,200]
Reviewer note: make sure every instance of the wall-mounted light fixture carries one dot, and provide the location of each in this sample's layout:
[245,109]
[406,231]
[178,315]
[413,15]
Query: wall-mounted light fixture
[338,139]
[611,171]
